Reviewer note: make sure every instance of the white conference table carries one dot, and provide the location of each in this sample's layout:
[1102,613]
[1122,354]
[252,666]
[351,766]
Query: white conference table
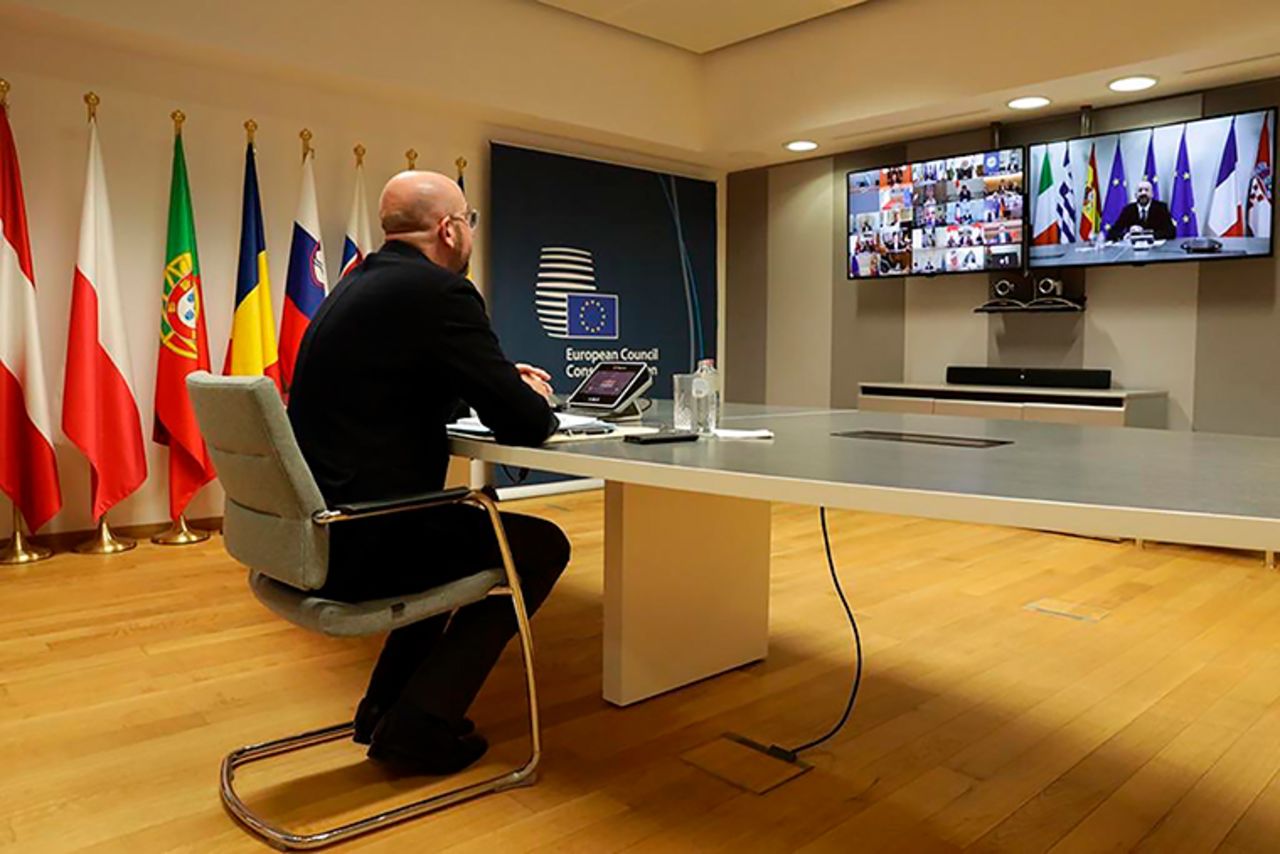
[687,526]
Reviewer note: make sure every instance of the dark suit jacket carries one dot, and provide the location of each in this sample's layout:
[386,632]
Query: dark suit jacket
[382,368]
[1158,220]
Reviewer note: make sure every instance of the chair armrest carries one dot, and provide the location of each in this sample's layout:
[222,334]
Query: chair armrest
[383,507]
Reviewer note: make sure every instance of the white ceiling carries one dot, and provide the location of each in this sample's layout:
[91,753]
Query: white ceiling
[701,26]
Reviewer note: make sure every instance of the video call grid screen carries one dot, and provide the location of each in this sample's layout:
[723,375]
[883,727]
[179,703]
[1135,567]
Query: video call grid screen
[1208,182]
[950,215]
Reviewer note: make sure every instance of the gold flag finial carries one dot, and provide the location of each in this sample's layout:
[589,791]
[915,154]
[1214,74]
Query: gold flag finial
[92,101]
[178,118]
[4,92]
[305,136]
[461,163]
[250,128]
[412,156]
[359,153]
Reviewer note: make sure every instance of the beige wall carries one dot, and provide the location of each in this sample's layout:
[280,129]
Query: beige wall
[798,329]
[1204,332]
[870,74]
[1141,323]
[50,72]
[514,62]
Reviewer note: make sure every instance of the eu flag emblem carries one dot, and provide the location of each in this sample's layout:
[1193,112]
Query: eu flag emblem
[593,315]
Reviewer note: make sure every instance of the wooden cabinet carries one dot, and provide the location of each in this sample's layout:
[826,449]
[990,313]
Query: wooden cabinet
[1089,407]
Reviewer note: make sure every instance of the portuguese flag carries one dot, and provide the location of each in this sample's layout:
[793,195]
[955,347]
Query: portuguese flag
[184,346]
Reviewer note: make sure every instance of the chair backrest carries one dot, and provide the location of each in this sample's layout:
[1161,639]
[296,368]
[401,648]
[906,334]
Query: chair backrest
[271,494]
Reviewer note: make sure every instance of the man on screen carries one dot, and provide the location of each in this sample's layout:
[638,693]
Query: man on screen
[1144,214]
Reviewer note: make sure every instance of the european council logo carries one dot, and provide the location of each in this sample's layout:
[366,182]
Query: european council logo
[593,315]
[566,299]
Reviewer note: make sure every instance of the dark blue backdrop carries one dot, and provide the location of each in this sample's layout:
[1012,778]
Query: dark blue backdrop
[572,233]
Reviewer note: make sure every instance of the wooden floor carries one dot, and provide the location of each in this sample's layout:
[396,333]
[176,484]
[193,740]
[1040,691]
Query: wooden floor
[1136,707]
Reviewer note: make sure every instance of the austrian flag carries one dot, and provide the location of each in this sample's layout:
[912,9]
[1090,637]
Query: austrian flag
[28,467]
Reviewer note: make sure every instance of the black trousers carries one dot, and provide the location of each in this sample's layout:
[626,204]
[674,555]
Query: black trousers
[437,666]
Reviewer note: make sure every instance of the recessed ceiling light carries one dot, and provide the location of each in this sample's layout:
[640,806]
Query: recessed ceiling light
[1029,102]
[801,145]
[1132,84]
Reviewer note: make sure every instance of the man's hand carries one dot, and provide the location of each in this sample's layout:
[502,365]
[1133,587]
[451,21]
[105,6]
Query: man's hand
[536,378]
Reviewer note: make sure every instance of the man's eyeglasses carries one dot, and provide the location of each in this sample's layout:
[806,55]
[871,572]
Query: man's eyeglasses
[471,217]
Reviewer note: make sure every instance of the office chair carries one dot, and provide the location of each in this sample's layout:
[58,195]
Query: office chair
[277,524]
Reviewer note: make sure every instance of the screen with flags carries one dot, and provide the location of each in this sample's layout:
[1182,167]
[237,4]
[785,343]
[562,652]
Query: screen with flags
[950,215]
[1188,191]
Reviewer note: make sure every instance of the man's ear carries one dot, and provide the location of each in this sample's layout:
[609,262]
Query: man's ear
[446,235]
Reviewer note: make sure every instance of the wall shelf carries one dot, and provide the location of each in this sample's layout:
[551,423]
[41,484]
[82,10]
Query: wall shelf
[1051,305]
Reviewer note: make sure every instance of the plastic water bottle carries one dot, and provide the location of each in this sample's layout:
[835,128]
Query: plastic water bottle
[706,397]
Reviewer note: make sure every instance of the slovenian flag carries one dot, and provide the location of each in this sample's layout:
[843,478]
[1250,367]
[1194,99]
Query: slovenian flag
[252,348]
[1183,205]
[307,282]
[1045,215]
[1260,188]
[357,242]
[1226,214]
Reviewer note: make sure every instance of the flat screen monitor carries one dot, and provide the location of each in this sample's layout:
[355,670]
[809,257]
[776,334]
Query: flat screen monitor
[1190,191]
[959,214]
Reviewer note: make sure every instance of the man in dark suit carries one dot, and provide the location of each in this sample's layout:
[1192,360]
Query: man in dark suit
[1144,214]
[393,351]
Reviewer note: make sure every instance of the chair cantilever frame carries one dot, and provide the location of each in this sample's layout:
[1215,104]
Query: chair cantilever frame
[522,775]
[277,524]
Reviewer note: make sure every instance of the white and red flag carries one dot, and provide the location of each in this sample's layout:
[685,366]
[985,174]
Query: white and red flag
[28,467]
[99,408]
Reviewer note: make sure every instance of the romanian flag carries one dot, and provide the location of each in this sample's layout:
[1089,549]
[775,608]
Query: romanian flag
[184,346]
[252,349]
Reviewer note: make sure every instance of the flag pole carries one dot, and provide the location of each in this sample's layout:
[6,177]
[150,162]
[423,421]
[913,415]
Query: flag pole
[359,152]
[104,542]
[250,129]
[19,550]
[305,135]
[411,155]
[179,533]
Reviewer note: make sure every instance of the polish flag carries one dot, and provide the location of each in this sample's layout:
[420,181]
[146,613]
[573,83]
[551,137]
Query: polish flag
[1226,214]
[99,410]
[28,467]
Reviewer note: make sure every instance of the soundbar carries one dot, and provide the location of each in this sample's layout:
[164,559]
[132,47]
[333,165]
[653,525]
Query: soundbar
[1090,378]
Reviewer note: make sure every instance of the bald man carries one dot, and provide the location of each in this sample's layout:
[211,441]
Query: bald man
[394,350]
[1144,213]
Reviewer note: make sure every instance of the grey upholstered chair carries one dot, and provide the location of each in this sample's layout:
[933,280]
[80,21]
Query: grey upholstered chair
[277,524]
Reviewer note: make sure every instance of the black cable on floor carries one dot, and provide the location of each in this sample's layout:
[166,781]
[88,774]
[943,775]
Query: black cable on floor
[792,752]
